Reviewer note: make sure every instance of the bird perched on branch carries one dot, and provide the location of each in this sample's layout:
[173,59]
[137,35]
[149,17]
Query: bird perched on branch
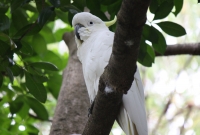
[94,42]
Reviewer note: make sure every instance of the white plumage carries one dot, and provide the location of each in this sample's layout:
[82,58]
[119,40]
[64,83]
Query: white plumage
[94,42]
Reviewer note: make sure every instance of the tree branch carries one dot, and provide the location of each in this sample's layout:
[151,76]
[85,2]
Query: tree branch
[71,110]
[119,73]
[178,49]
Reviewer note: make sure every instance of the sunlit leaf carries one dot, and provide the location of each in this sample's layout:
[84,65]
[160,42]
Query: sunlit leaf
[48,35]
[44,65]
[38,108]
[172,28]
[55,59]
[36,89]
[39,44]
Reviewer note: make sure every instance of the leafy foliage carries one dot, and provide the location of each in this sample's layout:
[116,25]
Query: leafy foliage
[30,71]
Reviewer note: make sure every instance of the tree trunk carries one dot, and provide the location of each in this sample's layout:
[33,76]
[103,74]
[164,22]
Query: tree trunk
[71,111]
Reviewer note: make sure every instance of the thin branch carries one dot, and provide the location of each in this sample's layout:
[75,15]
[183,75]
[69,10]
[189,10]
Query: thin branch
[189,110]
[180,49]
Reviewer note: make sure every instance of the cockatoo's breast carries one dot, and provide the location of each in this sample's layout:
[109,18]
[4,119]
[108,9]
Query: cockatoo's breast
[94,53]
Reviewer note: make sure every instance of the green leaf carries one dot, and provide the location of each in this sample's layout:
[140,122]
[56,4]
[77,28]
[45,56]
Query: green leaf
[26,49]
[28,30]
[45,15]
[148,58]
[56,3]
[41,4]
[114,8]
[19,18]
[62,15]
[59,3]
[54,84]
[38,108]
[4,22]
[40,78]
[39,44]
[18,89]
[4,48]
[31,129]
[48,35]
[155,37]
[163,10]
[93,4]
[71,8]
[153,6]
[36,89]
[198,1]
[16,70]
[178,6]
[172,28]
[80,4]
[1,80]
[54,58]
[44,65]
[23,112]
[17,104]
[10,74]
[160,46]
[108,2]
[15,4]
[4,8]
[30,8]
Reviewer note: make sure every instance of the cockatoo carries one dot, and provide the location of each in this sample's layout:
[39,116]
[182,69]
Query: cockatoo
[94,42]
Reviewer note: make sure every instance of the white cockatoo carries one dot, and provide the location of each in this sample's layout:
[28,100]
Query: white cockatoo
[95,41]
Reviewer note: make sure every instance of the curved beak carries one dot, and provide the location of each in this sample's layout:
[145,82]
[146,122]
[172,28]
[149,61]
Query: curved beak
[77,27]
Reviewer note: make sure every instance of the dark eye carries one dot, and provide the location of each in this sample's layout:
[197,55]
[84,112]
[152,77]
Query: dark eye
[91,22]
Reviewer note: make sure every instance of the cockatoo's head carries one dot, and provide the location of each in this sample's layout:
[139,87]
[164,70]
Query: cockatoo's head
[85,24]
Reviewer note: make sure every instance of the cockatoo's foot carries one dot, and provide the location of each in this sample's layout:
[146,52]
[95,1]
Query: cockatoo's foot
[91,108]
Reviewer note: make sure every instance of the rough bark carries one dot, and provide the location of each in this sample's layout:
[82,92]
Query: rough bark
[119,73]
[71,111]
[179,49]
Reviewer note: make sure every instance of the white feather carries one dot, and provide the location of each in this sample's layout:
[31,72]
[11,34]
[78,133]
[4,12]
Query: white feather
[94,53]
